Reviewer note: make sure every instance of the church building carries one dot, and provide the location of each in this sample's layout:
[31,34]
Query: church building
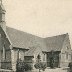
[16,44]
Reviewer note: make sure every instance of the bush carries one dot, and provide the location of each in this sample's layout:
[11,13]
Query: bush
[19,66]
[70,66]
[40,66]
[43,65]
[27,67]
[22,66]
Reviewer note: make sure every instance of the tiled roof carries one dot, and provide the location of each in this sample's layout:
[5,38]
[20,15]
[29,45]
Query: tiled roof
[30,52]
[55,43]
[22,39]
[25,40]
[50,43]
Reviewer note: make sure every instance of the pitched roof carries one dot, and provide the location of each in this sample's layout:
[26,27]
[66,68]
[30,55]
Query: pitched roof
[25,40]
[51,43]
[22,39]
[30,52]
[55,43]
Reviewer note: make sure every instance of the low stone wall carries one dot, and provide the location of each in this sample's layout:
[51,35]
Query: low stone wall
[4,70]
[6,65]
[64,64]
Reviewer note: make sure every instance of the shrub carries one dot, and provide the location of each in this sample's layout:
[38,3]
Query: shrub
[43,65]
[70,66]
[22,66]
[40,66]
[27,67]
[19,66]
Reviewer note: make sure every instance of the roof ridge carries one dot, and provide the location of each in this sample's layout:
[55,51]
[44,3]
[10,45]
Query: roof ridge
[56,35]
[24,32]
[35,35]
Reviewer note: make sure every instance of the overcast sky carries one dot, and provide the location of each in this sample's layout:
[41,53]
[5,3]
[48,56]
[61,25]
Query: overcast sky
[40,17]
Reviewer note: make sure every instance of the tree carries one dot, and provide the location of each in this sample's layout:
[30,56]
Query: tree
[40,65]
[22,66]
[19,66]
[70,67]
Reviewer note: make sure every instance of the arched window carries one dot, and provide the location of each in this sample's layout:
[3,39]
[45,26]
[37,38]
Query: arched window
[66,55]
[38,58]
[4,52]
[67,52]
[44,57]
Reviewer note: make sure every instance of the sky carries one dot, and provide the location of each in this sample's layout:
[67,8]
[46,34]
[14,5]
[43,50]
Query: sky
[43,18]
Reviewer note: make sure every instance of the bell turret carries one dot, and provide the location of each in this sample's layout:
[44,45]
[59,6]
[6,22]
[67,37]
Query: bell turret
[2,16]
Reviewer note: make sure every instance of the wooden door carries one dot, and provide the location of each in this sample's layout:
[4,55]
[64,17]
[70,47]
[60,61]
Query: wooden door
[55,59]
[48,60]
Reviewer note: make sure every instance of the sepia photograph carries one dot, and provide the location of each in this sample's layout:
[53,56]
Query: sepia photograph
[35,35]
